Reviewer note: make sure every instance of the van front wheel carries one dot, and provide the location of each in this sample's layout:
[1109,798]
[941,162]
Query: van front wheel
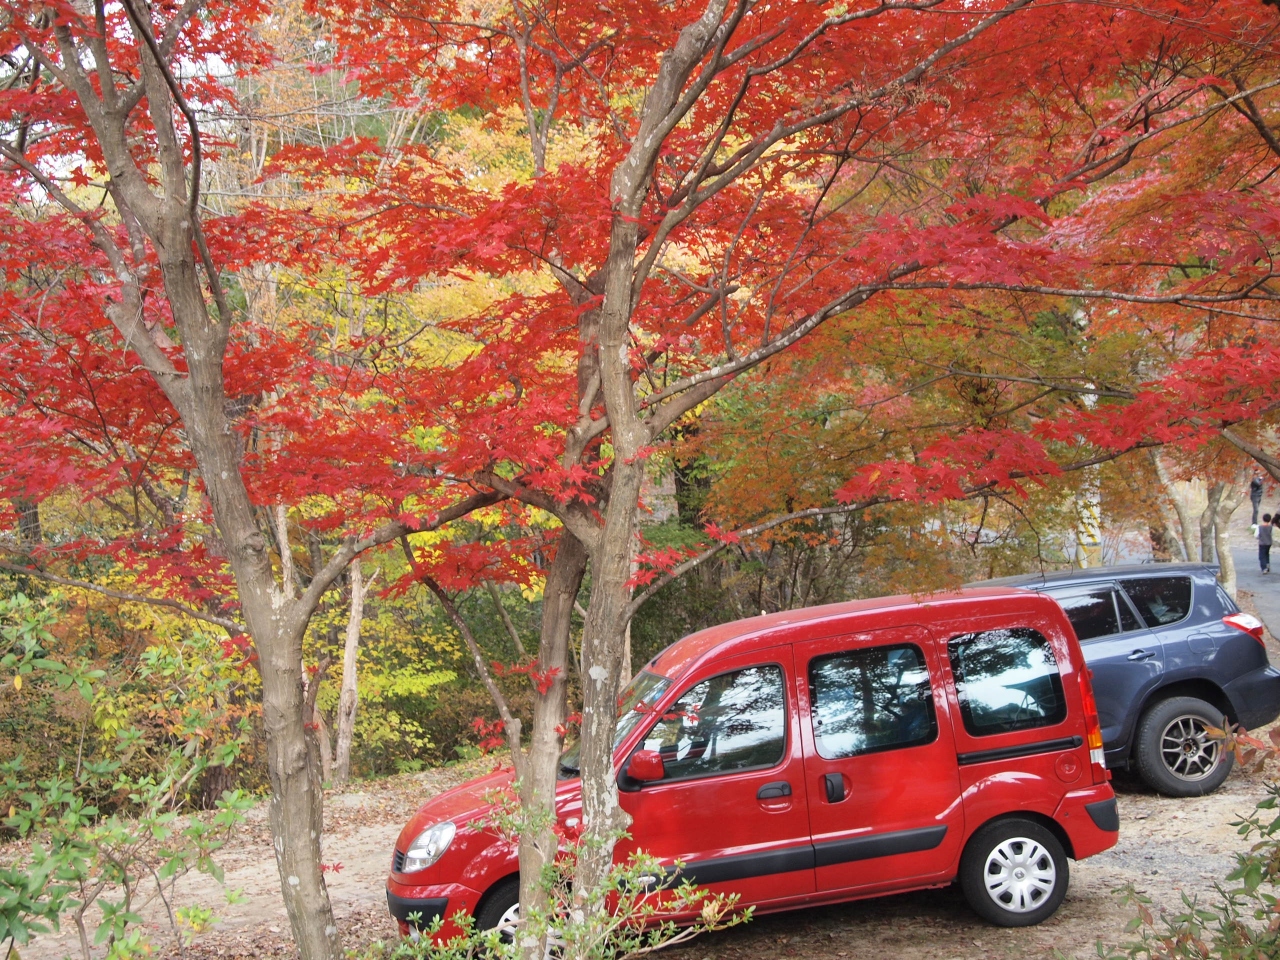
[501,909]
[1014,873]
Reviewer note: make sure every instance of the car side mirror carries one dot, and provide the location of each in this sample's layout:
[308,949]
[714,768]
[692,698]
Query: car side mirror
[646,766]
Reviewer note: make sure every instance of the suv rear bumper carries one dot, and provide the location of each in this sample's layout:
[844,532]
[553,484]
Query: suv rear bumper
[1256,697]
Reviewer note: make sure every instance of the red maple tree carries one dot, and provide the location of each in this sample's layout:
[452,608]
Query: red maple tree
[743,176]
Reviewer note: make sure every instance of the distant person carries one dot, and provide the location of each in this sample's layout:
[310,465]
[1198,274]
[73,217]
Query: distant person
[1264,542]
[1255,496]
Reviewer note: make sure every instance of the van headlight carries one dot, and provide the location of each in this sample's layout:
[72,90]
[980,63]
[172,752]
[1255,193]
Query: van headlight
[429,847]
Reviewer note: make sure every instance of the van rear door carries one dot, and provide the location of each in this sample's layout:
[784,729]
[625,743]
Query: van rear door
[1021,734]
[879,759]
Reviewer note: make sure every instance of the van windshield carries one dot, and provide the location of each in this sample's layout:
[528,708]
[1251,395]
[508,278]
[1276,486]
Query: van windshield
[634,705]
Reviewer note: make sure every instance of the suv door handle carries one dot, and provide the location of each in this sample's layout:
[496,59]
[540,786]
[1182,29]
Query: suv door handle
[774,791]
[835,787]
[1142,655]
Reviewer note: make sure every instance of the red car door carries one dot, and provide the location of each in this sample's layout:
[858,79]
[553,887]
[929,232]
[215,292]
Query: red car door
[880,760]
[731,805]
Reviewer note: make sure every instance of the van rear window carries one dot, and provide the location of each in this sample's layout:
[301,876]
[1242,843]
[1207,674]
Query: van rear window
[1006,680]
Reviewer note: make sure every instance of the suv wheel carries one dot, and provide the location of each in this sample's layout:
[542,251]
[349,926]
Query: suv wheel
[1176,755]
[1014,873]
[501,909]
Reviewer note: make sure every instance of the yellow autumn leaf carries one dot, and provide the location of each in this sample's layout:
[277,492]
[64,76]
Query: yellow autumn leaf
[17,682]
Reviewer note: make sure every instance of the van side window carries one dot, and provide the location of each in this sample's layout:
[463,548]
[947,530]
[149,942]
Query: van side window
[871,699]
[736,721]
[1006,680]
[1160,600]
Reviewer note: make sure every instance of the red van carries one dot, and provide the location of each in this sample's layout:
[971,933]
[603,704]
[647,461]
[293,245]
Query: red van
[829,754]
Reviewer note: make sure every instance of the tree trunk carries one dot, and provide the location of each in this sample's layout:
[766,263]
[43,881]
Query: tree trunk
[603,641]
[1190,543]
[538,841]
[1207,523]
[1228,503]
[350,690]
[30,534]
[326,746]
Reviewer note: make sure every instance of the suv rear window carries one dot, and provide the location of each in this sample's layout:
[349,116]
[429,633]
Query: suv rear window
[1006,680]
[1160,600]
[869,700]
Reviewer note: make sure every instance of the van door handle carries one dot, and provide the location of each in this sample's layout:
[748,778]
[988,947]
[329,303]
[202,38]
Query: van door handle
[774,791]
[835,787]
[1142,655]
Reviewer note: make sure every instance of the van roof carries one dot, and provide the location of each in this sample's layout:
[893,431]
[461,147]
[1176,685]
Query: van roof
[678,657]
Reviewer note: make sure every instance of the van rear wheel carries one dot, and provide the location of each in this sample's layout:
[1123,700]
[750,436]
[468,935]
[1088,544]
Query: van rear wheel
[1176,755]
[1014,873]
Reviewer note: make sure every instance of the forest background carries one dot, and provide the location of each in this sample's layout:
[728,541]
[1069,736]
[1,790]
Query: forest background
[372,371]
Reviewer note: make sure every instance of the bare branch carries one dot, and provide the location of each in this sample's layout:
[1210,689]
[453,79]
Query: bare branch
[815,512]
[1270,463]
[506,618]
[352,547]
[509,720]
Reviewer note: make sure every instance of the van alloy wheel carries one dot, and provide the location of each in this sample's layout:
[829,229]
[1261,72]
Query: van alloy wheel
[506,924]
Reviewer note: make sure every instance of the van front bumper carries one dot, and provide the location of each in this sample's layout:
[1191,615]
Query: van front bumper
[416,908]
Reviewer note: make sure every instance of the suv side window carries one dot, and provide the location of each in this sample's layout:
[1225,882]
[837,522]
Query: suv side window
[1160,600]
[869,700]
[1006,680]
[1099,612]
[736,721]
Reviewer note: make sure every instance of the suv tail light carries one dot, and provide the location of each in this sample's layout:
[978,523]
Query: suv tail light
[1246,622]
[1093,730]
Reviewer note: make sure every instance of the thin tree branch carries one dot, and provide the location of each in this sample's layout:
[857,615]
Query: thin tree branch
[510,722]
[506,618]
[814,512]
[230,626]
[1265,460]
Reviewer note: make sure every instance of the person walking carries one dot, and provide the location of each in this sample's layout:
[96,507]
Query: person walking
[1264,542]
[1255,496]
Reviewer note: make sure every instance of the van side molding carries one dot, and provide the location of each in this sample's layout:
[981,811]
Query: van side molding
[832,852]
[1019,750]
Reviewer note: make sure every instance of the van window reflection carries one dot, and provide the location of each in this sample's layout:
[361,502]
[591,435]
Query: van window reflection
[736,721]
[1006,680]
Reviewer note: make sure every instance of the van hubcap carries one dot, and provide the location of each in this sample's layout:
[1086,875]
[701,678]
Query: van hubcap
[1020,875]
[507,922]
[1187,750]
